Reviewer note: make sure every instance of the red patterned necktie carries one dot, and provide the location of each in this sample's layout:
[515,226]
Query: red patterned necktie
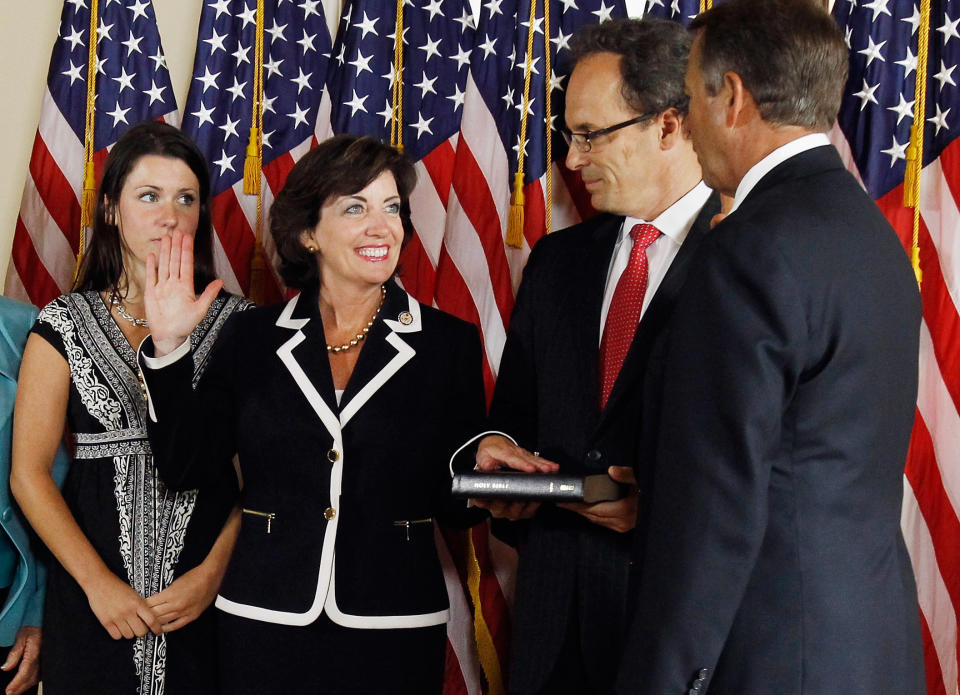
[624,313]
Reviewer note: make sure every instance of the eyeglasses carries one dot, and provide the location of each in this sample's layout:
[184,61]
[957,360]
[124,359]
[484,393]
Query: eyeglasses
[582,141]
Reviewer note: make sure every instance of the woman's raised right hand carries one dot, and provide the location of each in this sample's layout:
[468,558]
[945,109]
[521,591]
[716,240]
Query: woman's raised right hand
[120,609]
[173,309]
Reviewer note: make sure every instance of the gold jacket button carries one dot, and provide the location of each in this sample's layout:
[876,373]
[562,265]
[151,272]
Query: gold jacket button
[333,456]
[329,513]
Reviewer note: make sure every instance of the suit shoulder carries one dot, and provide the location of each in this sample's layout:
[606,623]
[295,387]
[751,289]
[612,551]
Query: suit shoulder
[568,245]
[580,234]
[436,319]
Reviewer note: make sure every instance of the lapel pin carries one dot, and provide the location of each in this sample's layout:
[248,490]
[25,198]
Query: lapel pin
[405,317]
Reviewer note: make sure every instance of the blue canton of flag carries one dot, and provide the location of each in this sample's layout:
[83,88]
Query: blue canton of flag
[219,113]
[219,106]
[437,37]
[878,102]
[500,59]
[133,84]
[682,11]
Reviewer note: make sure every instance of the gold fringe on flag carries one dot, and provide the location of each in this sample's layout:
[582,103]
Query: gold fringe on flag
[515,219]
[396,118]
[489,659]
[88,195]
[705,5]
[911,178]
[252,165]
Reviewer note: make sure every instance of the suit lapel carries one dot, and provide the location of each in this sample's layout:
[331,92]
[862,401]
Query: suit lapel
[587,285]
[385,352]
[658,311]
[304,355]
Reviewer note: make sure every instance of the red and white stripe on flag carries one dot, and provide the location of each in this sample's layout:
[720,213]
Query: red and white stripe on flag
[132,85]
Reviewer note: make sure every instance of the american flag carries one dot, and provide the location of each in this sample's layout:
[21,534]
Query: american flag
[219,112]
[874,130]
[132,85]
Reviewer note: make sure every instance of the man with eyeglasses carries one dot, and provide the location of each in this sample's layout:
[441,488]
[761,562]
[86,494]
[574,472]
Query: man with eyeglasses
[578,380]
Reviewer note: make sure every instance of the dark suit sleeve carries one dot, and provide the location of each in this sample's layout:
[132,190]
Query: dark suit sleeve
[192,430]
[466,409]
[734,359]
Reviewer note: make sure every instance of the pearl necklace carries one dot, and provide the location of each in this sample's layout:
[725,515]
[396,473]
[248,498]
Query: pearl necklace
[115,301]
[363,331]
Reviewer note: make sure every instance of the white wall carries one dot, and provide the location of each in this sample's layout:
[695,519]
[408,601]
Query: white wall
[27,33]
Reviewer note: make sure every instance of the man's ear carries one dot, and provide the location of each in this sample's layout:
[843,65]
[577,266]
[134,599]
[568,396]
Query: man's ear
[671,128]
[738,99]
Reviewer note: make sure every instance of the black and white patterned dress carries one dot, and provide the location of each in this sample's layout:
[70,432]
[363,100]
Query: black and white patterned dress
[145,533]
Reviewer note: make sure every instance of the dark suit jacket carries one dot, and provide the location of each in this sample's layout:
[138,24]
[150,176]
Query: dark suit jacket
[774,559]
[547,397]
[352,488]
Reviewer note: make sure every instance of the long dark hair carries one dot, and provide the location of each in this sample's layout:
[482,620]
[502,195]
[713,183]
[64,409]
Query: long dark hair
[102,265]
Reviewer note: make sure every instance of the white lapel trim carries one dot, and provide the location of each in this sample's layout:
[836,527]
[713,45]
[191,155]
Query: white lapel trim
[284,320]
[404,354]
[320,407]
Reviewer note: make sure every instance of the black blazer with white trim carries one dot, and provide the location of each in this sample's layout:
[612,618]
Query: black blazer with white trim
[338,499]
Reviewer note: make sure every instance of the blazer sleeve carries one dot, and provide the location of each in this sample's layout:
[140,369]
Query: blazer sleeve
[466,411]
[192,431]
[734,358]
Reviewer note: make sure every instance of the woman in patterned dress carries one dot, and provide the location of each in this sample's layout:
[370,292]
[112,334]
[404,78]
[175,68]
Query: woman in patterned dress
[137,565]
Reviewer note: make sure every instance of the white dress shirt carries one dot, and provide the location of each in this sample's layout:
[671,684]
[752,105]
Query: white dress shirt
[674,224]
[778,156]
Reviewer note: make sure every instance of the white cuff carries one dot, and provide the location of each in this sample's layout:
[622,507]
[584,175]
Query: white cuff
[475,438]
[169,358]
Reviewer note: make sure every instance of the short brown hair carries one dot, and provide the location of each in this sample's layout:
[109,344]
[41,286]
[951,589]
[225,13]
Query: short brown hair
[653,60]
[790,55]
[341,165]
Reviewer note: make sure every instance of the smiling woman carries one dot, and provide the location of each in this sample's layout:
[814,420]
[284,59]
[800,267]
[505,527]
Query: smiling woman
[342,406]
[135,561]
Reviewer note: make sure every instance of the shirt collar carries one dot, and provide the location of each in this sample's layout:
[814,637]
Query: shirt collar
[778,156]
[674,222]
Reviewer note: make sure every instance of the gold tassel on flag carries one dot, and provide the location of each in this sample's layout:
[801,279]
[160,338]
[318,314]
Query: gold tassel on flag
[515,219]
[911,177]
[252,165]
[396,118]
[88,195]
